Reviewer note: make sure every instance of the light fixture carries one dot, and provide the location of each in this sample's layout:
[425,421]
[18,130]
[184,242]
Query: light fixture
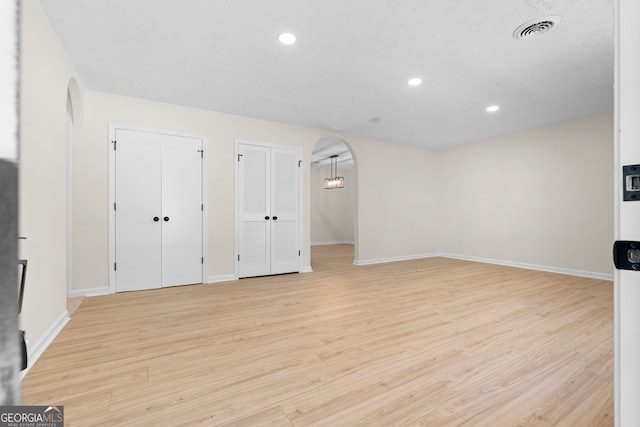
[493,108]
[287,38]
[415,81]
[334,181]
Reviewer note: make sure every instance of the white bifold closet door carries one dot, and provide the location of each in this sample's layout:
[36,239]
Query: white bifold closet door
[158,210]
[268,210]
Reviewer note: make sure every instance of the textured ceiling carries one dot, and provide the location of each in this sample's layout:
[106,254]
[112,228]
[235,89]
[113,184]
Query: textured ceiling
[351,62]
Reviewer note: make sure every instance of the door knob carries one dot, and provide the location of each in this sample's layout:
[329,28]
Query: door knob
[275,218]
[156,219]
[266,217]
[166,218]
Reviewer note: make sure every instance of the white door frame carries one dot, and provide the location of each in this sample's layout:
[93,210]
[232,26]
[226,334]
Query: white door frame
[112,195]
[626,213]
[237,199]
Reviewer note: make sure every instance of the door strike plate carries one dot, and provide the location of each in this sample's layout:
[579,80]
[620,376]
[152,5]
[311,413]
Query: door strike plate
[631,183]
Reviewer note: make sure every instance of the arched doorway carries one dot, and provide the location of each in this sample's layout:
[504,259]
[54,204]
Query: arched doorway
[74,121]
[334,210]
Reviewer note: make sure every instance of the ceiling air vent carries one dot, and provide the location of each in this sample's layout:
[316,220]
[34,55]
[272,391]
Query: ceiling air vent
[536,27]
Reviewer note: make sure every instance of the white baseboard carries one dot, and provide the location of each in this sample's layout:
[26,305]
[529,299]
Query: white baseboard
[93,292]
[306,269]
[559,270]
[222,278]
[107,291]
[35,350]
[333,242]
[393,259]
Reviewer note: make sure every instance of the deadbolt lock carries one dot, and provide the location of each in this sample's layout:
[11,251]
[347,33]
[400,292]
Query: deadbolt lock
[626,255]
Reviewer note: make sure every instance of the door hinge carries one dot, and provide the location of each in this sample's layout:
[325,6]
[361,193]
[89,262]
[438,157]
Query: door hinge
[298,253]
[202,260]
[299,163]
[202,207]
[114,206]
[201,153]
[238,257]
[239,155]
[115,268]
[114,145]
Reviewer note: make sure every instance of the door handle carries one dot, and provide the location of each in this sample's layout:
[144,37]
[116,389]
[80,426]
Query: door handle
[166,218]
[267,218]
[156,219]
[275,218]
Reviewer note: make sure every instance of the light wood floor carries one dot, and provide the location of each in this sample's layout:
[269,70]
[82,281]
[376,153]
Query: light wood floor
[435,342]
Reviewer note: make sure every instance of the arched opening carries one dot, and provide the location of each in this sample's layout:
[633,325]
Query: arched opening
[74,121]
[334,223]
[75,107]
[70,121]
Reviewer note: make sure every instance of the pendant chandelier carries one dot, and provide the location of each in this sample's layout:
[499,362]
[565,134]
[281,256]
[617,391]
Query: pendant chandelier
[334,181]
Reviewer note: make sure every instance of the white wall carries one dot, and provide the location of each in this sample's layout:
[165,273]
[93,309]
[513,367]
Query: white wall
[527,197]
[90,176]
[45,74]
[90,183]
[541,196]
[332,211]
[397,201]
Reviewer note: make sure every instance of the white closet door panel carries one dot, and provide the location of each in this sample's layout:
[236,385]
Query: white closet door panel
[284,252]
[285,207]
[255,251]
[254,212]
[137,193]
[254,174]
[181,210]
[284,181]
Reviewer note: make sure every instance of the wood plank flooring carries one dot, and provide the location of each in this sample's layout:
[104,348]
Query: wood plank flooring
[434,342]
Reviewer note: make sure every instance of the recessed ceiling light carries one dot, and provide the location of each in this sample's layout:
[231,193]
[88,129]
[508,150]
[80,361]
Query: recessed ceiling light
[415,81]
[287,38]
[493,108]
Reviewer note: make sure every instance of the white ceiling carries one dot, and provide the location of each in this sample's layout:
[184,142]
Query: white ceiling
[351,62]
